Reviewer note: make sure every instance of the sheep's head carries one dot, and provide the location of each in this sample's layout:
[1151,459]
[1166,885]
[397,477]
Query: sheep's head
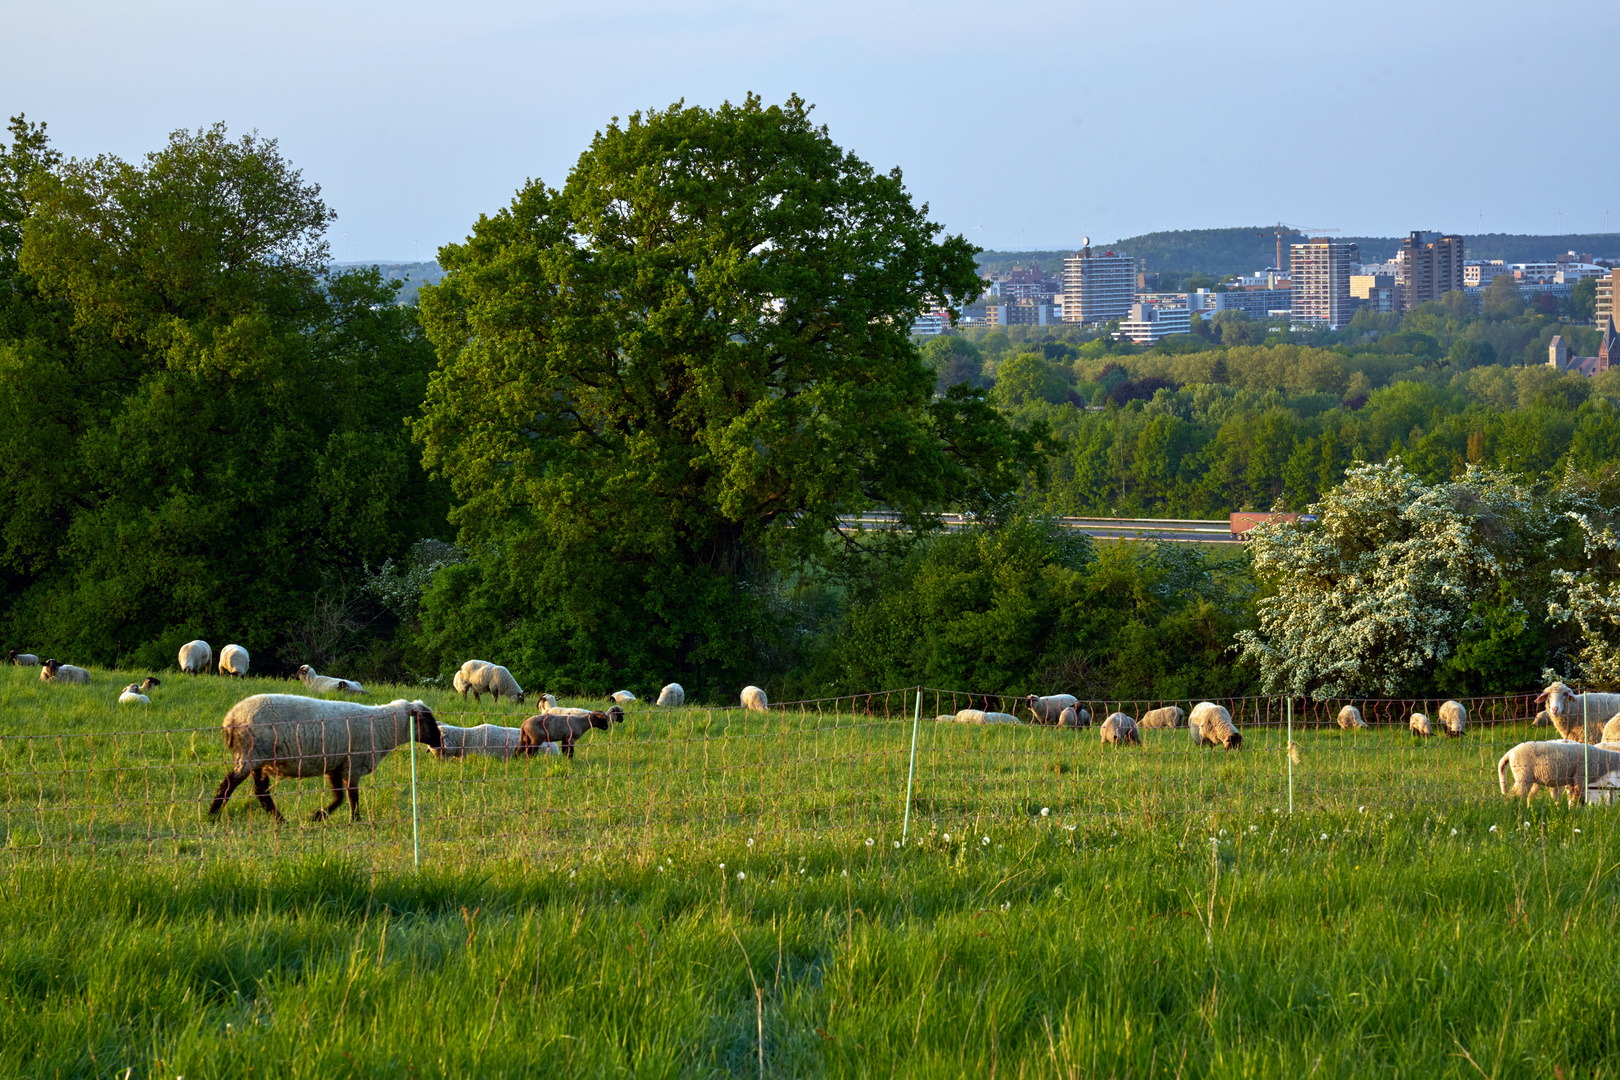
[304,671]
[1131,736]
[52,665]
[150,681]
[520,697]
[599,719]
[132,688]
[427,726]
[616,714]
[1555,696]
[1234,741]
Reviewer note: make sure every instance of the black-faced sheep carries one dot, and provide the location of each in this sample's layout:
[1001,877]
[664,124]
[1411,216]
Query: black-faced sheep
[1454,718]
[54,671]
[1557,766]
[564,727]
[1171,716]
[1049,709]
[1350,718]
[482,677]
[149,682]
[1119,730]
[1210,724]
[23,659]
[1578,716]
[132,696]
[754,698]
[672,696]
[621,697]
[195,656]
[326,684]
[233,661]
[293,736]
[1074,717]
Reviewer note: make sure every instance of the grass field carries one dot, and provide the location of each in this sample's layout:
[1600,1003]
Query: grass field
[705,893]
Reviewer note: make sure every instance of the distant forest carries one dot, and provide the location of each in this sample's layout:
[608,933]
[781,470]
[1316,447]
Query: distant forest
[413,274]
[1243,250]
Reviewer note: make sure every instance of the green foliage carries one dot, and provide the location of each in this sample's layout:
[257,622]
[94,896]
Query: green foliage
[1501,649]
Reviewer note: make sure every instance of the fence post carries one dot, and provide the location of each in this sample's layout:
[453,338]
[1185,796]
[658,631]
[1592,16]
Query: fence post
[916,719]
[1586,753]
[416,839]
[1289,755]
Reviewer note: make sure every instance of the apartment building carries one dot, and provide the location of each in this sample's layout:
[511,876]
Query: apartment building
[1098,287]
[1605,297]
[1479,275]
[1320,271]
[1377,292]
[1255,303]
[1146,323]
[1432,266]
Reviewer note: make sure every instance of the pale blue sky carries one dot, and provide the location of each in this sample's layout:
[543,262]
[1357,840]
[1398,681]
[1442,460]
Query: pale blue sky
[1038,121]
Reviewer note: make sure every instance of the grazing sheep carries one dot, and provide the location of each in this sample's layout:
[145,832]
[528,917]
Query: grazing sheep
[1561,765]
[672,696]
[195,656]
[1210,724]
[1350,718]
[132,696]
[233,661]
[149,682]
[1578,716]
[1541,720]
[23,659]
[490,740]
[1611,730]
[754,698]
[1049,709]
[53,670]
[483,677]
[564,727]
[291,735]
[1074,717]
[1420,726]
[1119,730]
[325,684]
[1454,718]
[1171,716]
[621,697]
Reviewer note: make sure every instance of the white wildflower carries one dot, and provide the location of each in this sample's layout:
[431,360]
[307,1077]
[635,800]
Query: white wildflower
[1045,810]
[868,841]
[741,875]
[987,841]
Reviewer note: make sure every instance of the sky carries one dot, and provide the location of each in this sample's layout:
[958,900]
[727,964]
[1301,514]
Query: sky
[1023,126]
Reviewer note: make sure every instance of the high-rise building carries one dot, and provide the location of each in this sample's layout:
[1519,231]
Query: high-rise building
[1605,297]
[1432,266]
[1377,292]
[1097,288]
[1320,270]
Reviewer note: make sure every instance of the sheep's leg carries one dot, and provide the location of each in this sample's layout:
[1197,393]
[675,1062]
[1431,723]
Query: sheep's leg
[226,787]
[261,789]
[354,798]
[335,778]
[568,745]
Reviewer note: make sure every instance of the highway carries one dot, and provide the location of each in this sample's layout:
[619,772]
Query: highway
[1184,530]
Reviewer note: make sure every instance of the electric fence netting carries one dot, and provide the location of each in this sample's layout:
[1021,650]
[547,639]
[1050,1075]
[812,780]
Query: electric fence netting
[885,766]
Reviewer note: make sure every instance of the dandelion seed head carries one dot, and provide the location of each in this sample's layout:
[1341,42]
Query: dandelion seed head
[1493,828]
[897,843]
[741,875]
[1046,811]
[987,841]
[750,841]
[868,841]
[1324,836]
[947,838]
[1453,832]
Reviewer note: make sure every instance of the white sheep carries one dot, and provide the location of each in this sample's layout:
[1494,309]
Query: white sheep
[54,671]
[132,696]
[754,698]
[621,697]
[548,702]
[1454,718]
[1171,716]
[233,661]
[326,684]
[1562,765]
[1611,730]
[1350,718]
[1210,724]
[1074,717]
[489,740]
[1541,720]
[195,656]
[1049,709]
[1119,730]
[23,659]
[979,716]
[294,736]
[672,696]
[483,677]
[1420,726]
[1578,716]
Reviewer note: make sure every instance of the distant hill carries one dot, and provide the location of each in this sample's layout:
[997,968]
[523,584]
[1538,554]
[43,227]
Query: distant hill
[1244,250]
[412,273]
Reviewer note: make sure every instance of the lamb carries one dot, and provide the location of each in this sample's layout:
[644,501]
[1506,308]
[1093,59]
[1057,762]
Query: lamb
[325,684]
[754,698]
[1049,709]
[132,696]
[490,740]
[979,716]
[293,736]
[1420,726]
[1074,717]
[621,697]
[1170,716]
[483,677]
[1210,724]
[1578,716]
[195,656]
[23,659]
[53,670]
[1454,718]
[565,727]
[1562,765]
[1119,730]
[233,661]
[1350,718]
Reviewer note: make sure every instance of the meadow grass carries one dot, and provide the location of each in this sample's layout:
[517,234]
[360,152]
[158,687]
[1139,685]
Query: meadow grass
[1059,908]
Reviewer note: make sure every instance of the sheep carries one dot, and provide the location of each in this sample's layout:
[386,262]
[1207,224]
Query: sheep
[564,727]
[1420,726]
[149,682]
[132,696]
[1074,717]
[1541,720]
[53,670]
[233,661]
[294,736]
[325,684]
[1611,730]
[23,659]
[1578,716]
[621,697]
[195,656]
[979,716]
[1454,718]
[754,698]
[483,677]
[672,696]
[549,702]
[1560,765]
[1210,724]
[1049,709]
[1119,730]
[1350,718]
[490,740]
[1171,716]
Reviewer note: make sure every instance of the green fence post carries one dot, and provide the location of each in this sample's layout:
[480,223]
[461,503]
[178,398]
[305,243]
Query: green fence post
[1586,754]
[416,839]
[916,719]
[1290,756]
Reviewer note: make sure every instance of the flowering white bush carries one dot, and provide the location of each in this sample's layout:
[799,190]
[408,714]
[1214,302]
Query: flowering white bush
[1377,590]
[1590,597]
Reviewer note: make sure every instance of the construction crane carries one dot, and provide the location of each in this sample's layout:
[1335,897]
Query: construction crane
[1282,230]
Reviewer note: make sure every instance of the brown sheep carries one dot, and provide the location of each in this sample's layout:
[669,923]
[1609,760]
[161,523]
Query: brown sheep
[564,727]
